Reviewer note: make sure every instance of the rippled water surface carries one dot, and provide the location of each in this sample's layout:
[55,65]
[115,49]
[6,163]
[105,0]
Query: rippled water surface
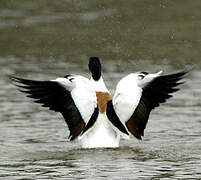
[43,40]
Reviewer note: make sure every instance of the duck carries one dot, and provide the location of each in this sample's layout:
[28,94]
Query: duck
[94,117]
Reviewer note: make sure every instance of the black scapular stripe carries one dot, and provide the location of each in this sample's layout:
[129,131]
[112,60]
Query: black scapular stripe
[92,120]
[114,119]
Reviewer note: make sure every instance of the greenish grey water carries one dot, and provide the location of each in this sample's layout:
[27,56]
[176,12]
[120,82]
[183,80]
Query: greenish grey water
[45,39]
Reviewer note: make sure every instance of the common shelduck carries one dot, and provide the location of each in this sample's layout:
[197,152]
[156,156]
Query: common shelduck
[94,117]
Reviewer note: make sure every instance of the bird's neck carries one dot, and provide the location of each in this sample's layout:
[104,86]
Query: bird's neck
[96,74]
[99,85]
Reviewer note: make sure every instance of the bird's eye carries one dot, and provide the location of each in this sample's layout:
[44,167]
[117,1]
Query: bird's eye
[141,76]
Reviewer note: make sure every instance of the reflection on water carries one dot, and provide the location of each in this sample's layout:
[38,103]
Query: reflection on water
[43,40]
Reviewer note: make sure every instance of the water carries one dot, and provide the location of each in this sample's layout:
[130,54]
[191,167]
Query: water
[43,40]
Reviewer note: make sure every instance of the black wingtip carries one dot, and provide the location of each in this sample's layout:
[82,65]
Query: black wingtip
[15,81]
[19,82]
[12,78]
[184,73]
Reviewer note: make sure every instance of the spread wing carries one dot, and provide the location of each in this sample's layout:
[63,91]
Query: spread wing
[133,101]
[70,96]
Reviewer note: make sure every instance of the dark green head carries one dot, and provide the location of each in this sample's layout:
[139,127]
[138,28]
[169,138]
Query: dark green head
[95,67]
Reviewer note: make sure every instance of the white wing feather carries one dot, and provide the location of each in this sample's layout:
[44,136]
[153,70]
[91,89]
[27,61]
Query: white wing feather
[82,93]
[126,97]
[128,93]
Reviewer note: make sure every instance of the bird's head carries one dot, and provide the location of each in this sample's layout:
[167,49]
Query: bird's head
[95,67]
